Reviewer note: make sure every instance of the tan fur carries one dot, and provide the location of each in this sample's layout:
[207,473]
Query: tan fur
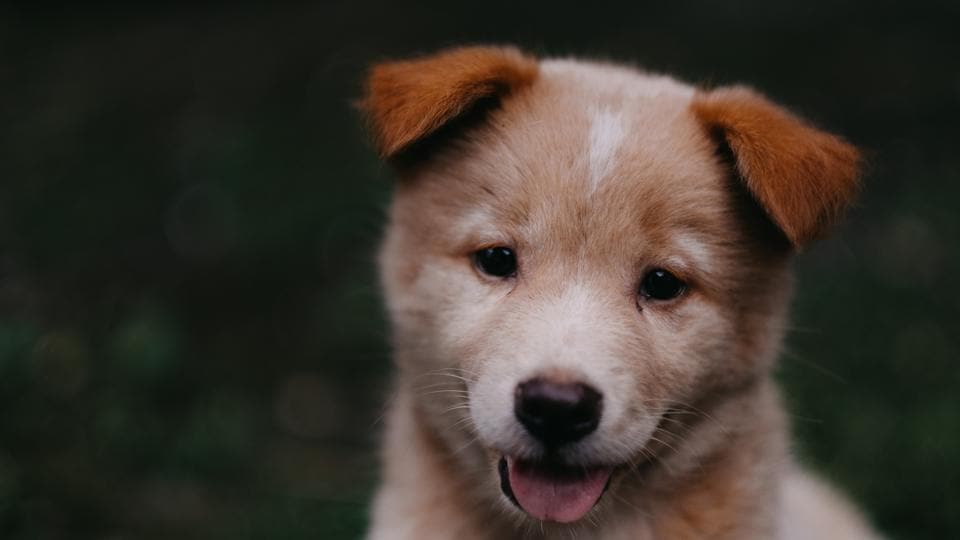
[594,174]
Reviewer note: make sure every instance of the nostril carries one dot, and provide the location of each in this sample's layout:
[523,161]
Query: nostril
[557,412]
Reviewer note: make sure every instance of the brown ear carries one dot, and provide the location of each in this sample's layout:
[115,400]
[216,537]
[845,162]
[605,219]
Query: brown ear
[408,100]
[803,178]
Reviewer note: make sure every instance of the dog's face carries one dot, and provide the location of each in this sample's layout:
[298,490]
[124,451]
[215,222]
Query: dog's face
[573,265]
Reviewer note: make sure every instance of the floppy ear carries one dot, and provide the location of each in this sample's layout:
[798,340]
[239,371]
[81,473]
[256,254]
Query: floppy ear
[802,177]
[408,100]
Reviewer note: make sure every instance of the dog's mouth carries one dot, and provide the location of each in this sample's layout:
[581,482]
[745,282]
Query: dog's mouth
[552,491]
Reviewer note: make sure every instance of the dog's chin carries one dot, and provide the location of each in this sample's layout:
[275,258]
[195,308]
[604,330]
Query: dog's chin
[553,491]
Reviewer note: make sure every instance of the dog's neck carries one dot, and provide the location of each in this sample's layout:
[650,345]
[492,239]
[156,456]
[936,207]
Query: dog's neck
[719,480]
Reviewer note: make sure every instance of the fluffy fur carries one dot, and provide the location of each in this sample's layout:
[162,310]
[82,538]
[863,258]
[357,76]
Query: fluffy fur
[594,174]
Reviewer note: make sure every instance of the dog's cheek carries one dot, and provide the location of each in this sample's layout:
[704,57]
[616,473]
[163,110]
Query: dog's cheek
[442,347]
[692,346]
[468,314]
[487,338]
[491,408]
[724,345]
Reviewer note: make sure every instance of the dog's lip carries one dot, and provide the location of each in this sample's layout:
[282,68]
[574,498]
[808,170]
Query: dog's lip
[553,491]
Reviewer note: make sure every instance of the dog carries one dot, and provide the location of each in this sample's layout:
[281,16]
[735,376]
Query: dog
[587,270]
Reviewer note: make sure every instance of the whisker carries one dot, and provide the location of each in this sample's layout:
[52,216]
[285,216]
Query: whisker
[448,391]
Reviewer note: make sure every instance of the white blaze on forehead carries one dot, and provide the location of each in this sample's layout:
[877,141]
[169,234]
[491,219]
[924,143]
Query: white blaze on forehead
[607,132]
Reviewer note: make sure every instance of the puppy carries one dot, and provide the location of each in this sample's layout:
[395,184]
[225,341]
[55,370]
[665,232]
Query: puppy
[587,271]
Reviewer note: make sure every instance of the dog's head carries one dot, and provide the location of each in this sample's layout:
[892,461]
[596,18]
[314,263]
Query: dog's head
[578,251]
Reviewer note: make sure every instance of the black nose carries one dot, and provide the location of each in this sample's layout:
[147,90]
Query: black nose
[555,412]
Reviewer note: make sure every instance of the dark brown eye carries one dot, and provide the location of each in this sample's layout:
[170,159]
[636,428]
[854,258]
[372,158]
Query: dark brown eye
[659,284]
[496,261]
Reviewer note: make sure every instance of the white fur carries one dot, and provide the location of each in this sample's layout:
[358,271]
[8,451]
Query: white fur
[607,132]
[571,334]
[817,511]
[692,250]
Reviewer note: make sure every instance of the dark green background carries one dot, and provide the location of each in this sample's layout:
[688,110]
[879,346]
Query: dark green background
[191,338]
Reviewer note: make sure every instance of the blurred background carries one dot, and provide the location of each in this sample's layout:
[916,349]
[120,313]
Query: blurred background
[191,338]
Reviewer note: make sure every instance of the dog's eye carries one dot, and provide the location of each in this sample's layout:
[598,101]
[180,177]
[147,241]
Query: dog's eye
[659,284]
[496,261]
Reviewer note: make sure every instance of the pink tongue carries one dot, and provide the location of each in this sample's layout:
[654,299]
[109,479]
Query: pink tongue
[556,495]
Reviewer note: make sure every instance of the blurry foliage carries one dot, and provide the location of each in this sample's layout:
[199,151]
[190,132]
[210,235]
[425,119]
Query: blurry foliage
[191,338]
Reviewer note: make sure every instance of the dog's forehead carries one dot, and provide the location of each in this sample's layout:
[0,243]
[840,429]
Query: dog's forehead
[593,140]
[605,124]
